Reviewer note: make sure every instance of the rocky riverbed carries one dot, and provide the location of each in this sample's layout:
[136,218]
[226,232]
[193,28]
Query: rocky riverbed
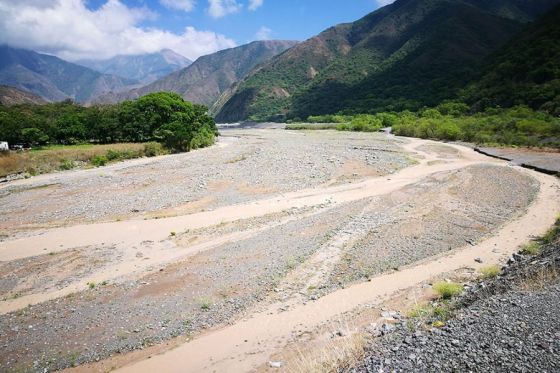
[97,263]
[510,324]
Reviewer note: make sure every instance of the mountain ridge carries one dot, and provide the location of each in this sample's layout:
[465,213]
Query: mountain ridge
[403,56]
[209,76]
[52,78]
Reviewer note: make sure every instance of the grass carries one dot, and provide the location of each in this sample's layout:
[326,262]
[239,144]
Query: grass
[540,279]
[438,311]
[447,290]
[552,233]
[59,157]
[489,272]
[205,303]
[531,248]
[337,355]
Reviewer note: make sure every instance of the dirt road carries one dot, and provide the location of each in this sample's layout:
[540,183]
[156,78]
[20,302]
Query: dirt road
[273,258]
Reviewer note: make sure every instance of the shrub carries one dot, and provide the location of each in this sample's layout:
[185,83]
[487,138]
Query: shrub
[531,248]
[99,160]
[112,155]
[153,149]
[489,272]
[447,290]
[66,164]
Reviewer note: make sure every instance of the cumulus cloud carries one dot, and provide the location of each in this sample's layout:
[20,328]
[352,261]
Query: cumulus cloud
[221,8]
[184,5]
[255,4]
[264,33]
[68,29]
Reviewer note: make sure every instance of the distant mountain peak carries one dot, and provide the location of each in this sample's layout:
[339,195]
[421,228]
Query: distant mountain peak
[144,68]
[54,79]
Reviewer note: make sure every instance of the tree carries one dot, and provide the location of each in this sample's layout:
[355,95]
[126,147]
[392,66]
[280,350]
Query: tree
[34,136]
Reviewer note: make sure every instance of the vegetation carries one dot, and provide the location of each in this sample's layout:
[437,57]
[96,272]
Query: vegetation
[360,122]
[489,272]
[162,117]
[66,157]
[526,71]
[531,248]
[432,311]
[205,303]
[336,355]
[447,290]
[519,125]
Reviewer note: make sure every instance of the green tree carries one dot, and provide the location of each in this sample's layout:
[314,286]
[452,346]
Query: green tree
[34,136]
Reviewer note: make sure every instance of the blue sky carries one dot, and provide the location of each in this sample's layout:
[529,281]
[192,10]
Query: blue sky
[99,29]
[287,19]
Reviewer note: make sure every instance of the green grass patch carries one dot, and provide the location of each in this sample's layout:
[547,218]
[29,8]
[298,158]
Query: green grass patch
[441,311]
[489,272]
[447,290]
[531,248]
[205,303]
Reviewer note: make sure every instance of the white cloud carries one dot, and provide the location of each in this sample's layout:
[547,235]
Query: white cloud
[221,8]
[264,33]
[68,29]
[184,5]
[255,4]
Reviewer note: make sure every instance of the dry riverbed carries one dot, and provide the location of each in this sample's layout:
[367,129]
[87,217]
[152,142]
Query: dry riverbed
[242,247]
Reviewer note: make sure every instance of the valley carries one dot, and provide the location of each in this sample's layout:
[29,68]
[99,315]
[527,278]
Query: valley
[260,186]
[181,259]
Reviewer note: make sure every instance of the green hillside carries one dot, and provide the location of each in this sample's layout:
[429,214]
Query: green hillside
[526,71]
[407,55]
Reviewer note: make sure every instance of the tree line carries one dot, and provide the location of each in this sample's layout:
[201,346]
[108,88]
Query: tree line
[164,117]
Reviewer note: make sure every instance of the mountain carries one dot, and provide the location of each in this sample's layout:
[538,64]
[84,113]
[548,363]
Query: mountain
[54,79]
[405,55]
[144,68]
[525,71]
[209,76]
[12,96]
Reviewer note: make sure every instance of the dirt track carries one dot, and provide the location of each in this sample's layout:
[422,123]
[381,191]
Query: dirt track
[288,253]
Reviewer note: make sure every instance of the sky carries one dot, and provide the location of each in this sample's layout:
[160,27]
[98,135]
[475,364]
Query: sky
[100,29]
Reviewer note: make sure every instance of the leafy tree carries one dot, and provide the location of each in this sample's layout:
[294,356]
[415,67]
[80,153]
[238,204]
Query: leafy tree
[34,136]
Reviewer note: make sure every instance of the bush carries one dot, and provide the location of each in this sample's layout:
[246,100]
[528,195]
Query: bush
[66,164]
[447,290]
[153,149]
[99,160]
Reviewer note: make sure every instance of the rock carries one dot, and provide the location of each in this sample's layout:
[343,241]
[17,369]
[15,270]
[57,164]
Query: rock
[275,364]
[478,260]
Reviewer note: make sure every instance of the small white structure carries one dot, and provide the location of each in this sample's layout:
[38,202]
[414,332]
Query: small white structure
[4,146]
